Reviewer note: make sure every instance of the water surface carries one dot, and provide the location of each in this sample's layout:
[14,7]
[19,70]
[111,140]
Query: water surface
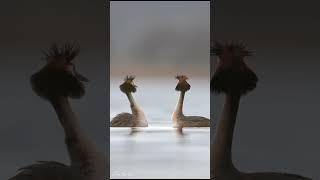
[158,151]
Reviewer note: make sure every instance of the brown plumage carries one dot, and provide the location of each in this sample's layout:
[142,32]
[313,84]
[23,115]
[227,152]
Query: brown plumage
[48,170]
[137,118]
[178,118]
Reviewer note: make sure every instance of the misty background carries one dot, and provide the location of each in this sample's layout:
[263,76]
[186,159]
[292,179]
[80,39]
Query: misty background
[29,129]
[160,38]
[155,41]
[278,123]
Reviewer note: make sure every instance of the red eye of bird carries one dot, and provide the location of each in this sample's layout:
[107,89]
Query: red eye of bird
[68,67]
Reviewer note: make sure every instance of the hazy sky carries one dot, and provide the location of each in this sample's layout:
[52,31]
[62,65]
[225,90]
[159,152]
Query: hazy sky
[29,128]
[278,124]
[162,36]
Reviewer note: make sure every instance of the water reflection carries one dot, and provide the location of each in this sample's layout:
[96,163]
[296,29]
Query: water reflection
[162,152]
[134,131]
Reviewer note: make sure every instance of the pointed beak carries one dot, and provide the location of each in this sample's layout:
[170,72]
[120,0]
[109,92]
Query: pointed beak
[79,76]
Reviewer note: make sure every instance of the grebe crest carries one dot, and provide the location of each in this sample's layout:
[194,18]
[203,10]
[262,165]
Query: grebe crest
[182,85]
[128,86]
[59,76]
[232,76]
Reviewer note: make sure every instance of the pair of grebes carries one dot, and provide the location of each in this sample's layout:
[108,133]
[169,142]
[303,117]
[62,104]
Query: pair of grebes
[138,118]
[58,81]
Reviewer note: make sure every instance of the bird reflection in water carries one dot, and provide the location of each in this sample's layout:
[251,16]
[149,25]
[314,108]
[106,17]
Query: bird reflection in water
[134,131]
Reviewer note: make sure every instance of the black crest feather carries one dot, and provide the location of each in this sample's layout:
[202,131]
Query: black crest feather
[218,48]
[68,50]
[129,78]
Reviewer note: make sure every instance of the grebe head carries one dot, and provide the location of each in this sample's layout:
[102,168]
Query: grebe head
[128,86]
[232,75]
[182,85]
[59,76]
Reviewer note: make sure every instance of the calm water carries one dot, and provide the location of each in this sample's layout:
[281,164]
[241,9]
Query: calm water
[159,151]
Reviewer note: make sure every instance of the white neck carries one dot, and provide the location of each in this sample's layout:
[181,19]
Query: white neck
[222,145]
[136,111]
[82,151]
[179,107]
